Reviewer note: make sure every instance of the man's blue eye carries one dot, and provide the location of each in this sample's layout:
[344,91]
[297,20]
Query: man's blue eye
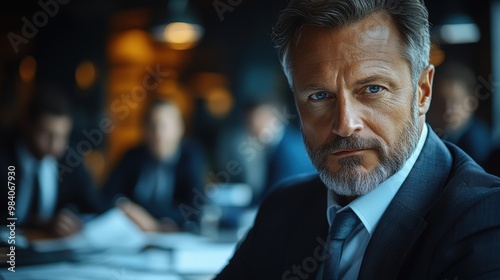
[373,89]
[319,95]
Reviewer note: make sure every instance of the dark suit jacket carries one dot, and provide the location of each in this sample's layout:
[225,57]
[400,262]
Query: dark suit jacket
[189,177]
[492,165]
[76,188]
[444,223]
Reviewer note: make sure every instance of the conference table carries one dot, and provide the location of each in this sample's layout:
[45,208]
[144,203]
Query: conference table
[112,247]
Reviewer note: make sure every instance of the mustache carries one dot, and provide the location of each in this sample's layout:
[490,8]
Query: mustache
[352,142]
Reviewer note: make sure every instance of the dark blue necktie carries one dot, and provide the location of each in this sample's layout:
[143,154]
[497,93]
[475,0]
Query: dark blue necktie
[342,227]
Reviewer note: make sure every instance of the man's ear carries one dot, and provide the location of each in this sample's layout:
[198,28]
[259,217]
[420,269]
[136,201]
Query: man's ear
[424,91]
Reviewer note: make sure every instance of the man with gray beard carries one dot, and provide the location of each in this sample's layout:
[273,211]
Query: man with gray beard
[391,200]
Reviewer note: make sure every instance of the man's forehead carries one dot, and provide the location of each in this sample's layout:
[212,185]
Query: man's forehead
[374,37]
[52,121]
[374,30]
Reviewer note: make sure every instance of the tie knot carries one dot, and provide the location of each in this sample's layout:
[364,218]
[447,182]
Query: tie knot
[343,225]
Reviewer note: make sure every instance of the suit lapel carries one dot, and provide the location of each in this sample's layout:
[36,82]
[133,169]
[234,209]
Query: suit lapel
[309,232]
[404,220]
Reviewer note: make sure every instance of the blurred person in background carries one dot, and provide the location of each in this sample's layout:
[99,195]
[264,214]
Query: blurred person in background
[50,178]
[160,174]
[453,107]
[268,148]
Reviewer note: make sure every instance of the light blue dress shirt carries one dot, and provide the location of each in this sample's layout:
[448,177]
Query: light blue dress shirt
[369,208]
[46,172]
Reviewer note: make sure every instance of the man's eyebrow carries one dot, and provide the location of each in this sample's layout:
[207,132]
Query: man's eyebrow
[312,87]
[375,78]
[368,80]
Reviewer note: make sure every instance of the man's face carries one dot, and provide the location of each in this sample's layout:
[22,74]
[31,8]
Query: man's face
[49,135]
[263,123]
[360,114]
[453,97]
[164,130]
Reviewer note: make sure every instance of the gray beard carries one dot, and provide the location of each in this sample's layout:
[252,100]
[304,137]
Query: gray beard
[350,180]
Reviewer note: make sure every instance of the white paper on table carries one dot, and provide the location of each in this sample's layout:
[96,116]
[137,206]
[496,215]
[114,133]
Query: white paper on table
[206,259]
[74,242]
[111,230]
[175,241]
[69,271]
[150,260]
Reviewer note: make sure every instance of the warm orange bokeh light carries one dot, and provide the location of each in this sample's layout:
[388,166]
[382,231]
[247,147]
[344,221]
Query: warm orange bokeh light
[219,102]
[85,75]
[27,69]
[437,55]
[132,46]
[181,35]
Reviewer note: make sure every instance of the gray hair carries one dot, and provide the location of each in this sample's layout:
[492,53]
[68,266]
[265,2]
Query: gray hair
[410,17]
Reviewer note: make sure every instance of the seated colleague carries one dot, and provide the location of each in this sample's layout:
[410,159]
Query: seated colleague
[267,148]
[159,175]
[46,182]
[284,153]
[451,112]
[395,200]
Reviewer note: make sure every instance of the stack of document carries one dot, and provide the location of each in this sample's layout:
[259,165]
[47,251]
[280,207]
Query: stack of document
[112,247]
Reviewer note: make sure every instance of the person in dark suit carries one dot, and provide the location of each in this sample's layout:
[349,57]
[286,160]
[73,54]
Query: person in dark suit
[452,111]
[285,154]
[264,151]
[51,181]
[268,148]
[159,175]
[390,200]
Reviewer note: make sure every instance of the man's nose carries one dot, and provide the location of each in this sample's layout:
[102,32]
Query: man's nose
[347,120]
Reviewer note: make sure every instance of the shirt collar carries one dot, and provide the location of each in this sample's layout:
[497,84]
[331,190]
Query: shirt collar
[371,206]
[30,163]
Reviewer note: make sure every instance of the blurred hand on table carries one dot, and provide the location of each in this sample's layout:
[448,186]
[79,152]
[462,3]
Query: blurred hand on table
[66,223]
[144,220]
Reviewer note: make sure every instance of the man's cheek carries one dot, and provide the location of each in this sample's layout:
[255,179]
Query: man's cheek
[311,133]
[320,129]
